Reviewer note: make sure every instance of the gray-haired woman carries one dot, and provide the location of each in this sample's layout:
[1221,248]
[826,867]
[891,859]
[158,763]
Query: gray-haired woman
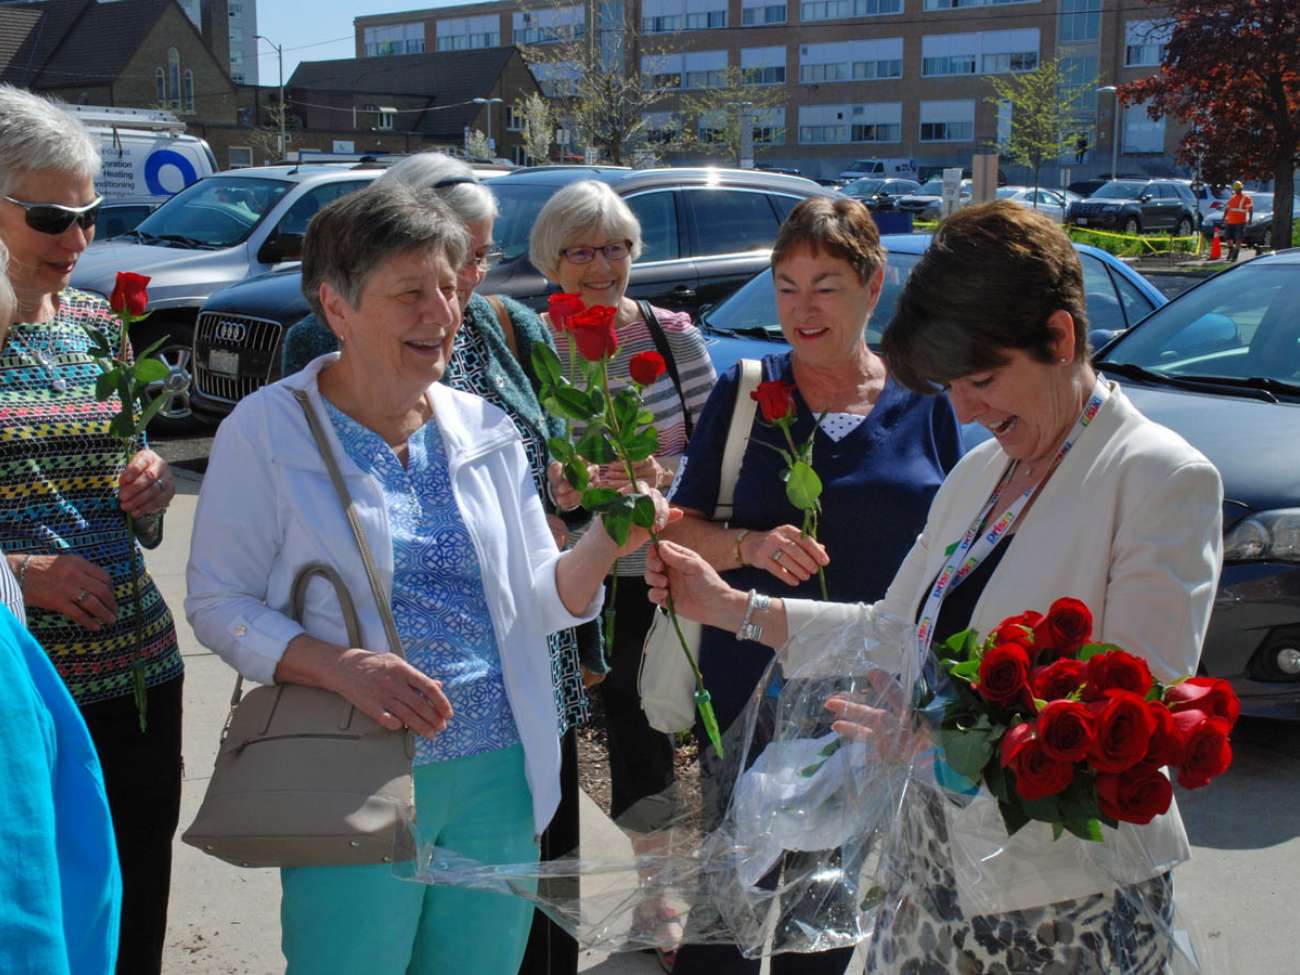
[448,505]
[61,524]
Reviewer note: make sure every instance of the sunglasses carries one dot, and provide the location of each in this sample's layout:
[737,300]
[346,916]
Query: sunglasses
[55,218]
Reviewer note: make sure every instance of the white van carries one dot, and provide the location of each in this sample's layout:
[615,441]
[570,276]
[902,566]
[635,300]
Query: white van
[881,169]
[147,156]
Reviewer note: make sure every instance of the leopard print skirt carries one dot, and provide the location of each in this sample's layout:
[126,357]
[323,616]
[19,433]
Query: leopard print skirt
[922,930]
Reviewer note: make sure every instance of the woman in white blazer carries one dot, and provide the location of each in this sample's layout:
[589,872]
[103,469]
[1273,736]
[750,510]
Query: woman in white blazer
[447,503]
[1109,508]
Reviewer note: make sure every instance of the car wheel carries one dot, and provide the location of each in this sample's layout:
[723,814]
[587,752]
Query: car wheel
[177,352]
[1131,225]
[1184,228]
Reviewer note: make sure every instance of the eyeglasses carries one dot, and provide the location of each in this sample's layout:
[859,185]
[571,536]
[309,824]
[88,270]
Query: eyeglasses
[615,251]
[486,261]
[55,218]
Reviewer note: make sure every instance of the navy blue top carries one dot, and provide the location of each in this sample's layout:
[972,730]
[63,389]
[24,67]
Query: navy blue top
[878,482]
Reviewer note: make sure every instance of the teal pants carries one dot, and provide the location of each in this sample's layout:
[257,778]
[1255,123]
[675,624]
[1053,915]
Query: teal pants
[350,920]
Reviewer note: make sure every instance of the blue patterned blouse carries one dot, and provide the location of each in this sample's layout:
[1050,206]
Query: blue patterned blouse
[439,603]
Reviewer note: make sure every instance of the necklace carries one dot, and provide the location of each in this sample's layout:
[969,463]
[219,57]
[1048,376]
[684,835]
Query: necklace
[43,358]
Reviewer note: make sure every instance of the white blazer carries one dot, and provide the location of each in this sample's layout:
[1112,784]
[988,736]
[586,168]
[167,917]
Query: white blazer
[268,507]
[1131,523]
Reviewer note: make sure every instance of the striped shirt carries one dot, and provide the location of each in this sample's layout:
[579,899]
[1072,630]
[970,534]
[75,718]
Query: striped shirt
[697,375]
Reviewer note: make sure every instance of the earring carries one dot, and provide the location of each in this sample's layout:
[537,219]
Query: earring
[1064,360]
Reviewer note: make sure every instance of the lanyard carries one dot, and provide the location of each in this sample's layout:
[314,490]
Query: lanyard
[976,544]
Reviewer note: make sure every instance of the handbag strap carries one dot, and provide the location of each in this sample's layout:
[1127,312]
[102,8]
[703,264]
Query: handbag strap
[742,424]
[506,323]
[661,344]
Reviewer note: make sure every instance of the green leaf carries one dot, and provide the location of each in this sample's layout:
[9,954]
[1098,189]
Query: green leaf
[641,445]
[121,426]
[803,487]
[643,511]
[645,418]
[1085,829]
[106,384]
[956,646]
[966,747]
[150,411]
[995,778]
[560,449]
[576,474]
[154,347]
[594,499]
[595,447]
[596,397]
[967,670]
[150,371]
[627,404]
[1013,817]
[1046,810]
[618,522]
[571,403]
[1091,650]
[546,365]
[1058,830]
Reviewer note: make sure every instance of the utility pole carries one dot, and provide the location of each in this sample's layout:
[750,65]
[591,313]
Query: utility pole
[488,103]
[279,53]
[1114,132]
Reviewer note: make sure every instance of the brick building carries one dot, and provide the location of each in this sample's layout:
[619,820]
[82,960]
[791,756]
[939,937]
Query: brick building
[861,77]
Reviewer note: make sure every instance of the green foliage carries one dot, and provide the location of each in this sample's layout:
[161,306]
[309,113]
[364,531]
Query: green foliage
[1043,106]
[803,487]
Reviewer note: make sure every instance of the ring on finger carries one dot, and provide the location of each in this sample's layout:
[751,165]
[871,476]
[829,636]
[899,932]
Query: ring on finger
[776,556]
[80,597]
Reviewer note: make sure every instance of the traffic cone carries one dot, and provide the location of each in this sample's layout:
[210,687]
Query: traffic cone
[1216,249]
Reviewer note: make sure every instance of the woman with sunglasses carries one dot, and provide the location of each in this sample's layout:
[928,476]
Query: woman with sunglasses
[61,517]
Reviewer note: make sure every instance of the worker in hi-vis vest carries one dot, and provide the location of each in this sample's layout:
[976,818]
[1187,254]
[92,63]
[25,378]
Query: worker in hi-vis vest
[1235,217]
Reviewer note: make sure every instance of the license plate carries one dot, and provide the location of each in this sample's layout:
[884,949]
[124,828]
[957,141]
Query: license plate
[1081,221]
[226,363]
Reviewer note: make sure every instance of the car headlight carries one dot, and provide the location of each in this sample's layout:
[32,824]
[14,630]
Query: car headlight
[1267,535]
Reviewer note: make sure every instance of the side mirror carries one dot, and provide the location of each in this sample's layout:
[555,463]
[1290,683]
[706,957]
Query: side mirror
[281,247]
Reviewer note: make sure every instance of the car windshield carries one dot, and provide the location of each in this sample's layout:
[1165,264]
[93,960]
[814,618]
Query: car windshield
[932,187]
[1009,191]
[1242,325]
[1122,190]
[519,204]
[219,211]
[864,187]
[753,306]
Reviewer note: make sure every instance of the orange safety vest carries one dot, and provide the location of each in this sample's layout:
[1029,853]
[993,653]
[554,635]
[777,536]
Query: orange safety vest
[1238,209]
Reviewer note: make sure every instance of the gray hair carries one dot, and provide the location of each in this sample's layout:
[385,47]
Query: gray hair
[356,233]
[39,133]
[471,201]
[8,300]
[578,209]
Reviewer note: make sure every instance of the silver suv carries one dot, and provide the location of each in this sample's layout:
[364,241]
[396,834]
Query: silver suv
[215,232]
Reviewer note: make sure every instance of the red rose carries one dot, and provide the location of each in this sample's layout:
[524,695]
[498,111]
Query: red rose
[1066,628]
[1136,796]
[1038,775]
[1207,753]
[1167,742]
[1059,679]
[1208,694]
[1124,729]
[1004,674]
[1115,670]
[562,308]
[1066,730]
[593,330]
[646,367]
[1017,629]
[130,294]
[1013,742]
[775,399]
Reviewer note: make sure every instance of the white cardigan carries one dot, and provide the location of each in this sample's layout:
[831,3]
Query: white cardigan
[268,507]
[1131,523]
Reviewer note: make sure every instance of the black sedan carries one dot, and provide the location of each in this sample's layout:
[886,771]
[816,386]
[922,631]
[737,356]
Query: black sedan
[1220,365]
[880,194]
[1137,206]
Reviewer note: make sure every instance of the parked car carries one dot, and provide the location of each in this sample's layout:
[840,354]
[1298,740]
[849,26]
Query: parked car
[1220,365]
[880,194]
[1045,201]
[1208,199]
[704,232]
[116,219]
[746,323]
[1259,232]
[218,230]
[883,168]
[926,202]
[1137,206]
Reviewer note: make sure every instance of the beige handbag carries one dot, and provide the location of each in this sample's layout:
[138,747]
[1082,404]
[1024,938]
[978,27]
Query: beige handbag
[303,778]
[665,682]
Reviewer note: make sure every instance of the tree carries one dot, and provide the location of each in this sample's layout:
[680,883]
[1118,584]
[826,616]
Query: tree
[1042,115]
[477,146]
[539,127]
[265,139]
[1232,73]
[712,116]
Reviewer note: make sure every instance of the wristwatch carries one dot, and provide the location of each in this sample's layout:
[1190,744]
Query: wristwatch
[757,603]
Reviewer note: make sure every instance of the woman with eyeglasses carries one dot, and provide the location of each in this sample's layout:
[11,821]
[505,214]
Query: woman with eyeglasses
[584,242]
[65,491]
[492,357]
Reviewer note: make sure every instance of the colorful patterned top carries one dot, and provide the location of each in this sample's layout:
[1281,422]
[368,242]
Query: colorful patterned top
[439,604]
[58,495]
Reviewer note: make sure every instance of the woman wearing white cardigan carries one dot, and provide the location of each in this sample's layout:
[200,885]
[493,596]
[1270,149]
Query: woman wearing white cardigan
[1105,506]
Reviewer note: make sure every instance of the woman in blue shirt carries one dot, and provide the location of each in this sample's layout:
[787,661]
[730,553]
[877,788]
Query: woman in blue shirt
[881,452]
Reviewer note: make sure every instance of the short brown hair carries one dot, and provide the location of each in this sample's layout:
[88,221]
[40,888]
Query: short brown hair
[991,278]
[839,226]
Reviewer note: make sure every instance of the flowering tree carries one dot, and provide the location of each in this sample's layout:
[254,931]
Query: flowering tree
[1232,72]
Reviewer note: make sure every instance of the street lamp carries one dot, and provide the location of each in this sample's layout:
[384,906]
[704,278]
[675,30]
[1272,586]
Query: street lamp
[489,102]
[1114,133]
[279,53]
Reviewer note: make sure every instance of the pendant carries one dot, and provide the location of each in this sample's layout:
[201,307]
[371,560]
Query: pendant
[59,384]
[46,361]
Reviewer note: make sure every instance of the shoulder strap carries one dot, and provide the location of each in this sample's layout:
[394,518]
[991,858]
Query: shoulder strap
[661,343]
[349,508]
[504,320]
[742,423]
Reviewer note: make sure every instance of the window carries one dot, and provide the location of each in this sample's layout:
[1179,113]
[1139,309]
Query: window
[1080,20]
[1002,63]
[173,78]
[1141,133]
[811,73]
[704,69]
[188,90]
[711,127]
[706,79]
[735,221]
[387,117]
[469,33]
[771,75]
[549,26]
[951,64]
[706,20]
[875,132]
[874,122]
[755,13]
[1136,305]
[240,157]
[963,4]
[657,214]
[840,9]
[556,80]
[160,87]
[394,39]
[948,121]
[947,131]
[864,60]
[663,25]
[311,202]
[769,127]
[661,128]
[875,70]
[1145,43]
[666,80]
[514,119]
[763,65]
[1102,304]
[979,52]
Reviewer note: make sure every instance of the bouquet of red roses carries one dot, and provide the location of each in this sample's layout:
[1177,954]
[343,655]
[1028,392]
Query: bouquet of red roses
[1074,733]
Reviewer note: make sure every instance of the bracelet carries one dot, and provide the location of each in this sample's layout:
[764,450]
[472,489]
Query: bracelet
[757,603]
[740,537]
[22,572]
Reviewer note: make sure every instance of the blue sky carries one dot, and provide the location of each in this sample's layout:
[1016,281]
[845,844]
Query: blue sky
[320,30]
